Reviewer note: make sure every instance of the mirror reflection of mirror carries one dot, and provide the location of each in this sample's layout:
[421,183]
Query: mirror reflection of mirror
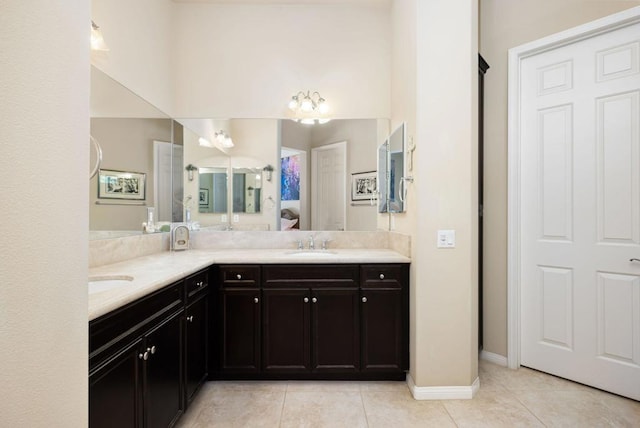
[391,168]
[212,190]
[247,190]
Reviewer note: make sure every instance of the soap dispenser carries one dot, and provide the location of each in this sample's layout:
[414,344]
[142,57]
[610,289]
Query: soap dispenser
[180,238]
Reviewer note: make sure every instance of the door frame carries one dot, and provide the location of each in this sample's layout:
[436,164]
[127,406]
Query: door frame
[516,56]
[314,168]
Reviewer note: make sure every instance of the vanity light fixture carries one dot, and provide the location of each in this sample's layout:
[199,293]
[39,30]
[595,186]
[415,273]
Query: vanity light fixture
[309,108]
[224,140]
[97,41]
[190,168]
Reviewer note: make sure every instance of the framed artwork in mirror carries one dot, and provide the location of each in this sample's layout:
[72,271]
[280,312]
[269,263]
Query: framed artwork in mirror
[114,184]
[364,186]
[203,197]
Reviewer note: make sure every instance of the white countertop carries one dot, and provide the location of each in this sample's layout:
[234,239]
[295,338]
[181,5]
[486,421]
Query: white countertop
[153,272]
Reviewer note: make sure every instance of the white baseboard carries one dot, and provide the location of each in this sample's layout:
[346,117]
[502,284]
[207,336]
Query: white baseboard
[443,392]
[493,358]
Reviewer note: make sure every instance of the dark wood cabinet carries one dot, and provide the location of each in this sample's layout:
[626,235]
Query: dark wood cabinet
[145,362]
[385,323]
[317,321]
[115,390]
[240,330]
[335,332]
[196,333]
[162,373]
[286,345]
[196,346]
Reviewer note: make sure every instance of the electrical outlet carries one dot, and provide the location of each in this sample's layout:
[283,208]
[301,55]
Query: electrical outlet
[224,218]
[236,218]
[446,239]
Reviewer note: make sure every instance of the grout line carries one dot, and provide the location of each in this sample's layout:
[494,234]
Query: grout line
[284,400]
[525,406]
[448,413]
[364,408]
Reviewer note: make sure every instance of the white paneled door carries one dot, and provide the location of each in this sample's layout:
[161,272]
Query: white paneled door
[328,186]
[580,211]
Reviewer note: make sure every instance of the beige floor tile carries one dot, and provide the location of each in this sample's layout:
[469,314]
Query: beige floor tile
[490,409]
[323,409]
[625,407]
[572,409]
[525,379]
[250,385]
[323,386]
[225,408]
[382,386]
[399,409]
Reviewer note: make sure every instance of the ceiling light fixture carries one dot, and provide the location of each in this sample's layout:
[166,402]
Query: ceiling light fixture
[309,108]
[224,140]
[97,41]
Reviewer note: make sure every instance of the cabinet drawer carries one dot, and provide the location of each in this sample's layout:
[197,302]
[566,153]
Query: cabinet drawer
[196,284]
[310,275]
[382,276]
[129,322]
[239,275]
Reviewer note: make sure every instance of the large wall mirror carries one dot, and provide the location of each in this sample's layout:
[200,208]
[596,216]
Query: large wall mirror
[280,174]
[392,172]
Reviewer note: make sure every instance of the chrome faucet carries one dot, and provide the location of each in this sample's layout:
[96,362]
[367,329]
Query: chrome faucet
[312,244]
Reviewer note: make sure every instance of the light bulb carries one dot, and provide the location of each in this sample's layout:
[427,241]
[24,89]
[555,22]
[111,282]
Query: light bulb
[306,105]
[308,121]
[323,121]
[293,104]
[204,142]
[97,41]
[323,107]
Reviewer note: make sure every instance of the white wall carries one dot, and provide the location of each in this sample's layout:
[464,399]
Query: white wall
[246,61]
[140,36]
[506,24]
[44,157]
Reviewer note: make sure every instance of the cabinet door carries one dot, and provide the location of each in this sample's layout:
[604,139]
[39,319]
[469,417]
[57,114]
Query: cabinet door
[162,392]
[382,330]
[197,348]
[240,330]
[286,344]
[115,391]
[335,330]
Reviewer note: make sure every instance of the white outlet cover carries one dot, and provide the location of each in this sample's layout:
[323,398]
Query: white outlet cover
[236,218]
[446,238]
[224,218]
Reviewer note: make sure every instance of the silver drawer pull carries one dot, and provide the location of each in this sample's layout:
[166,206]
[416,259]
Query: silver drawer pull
[144,356]
[239,276]
[381,276]
[306,300]
[255,300]
[364,300]
[190,318]
[314,300]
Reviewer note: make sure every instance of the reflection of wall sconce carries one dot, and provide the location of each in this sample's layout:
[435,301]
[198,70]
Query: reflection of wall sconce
[269,170]
[190,168]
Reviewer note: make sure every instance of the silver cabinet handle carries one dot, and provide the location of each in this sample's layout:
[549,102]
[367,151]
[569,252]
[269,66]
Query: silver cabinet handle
[364,300]
[190,318]
[314,300]
[152,350]
[306,300]
[144,356]
[634,260]
[201,284]
[381,276]
[255,300]
[239,276]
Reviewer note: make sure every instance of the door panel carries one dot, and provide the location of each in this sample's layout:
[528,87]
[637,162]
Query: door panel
[240,335]
[328,187]
[580,211]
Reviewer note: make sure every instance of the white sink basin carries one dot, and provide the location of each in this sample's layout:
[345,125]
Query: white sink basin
[312,253]
[98,284]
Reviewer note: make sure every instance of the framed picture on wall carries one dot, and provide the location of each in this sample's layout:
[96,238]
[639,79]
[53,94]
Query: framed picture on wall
[364,186]
[114,184]
[203,197]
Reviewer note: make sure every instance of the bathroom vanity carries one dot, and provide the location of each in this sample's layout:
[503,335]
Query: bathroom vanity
[203,315]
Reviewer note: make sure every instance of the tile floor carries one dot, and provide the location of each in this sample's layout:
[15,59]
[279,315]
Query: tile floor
[507,398]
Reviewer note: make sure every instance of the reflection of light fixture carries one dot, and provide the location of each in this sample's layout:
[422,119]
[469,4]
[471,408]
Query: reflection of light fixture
[309,108]
[190,168]
[204,142]
[224,139]
[269,170]
[97,41]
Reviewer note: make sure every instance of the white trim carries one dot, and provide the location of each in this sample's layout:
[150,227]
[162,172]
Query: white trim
[443,392]
[516,55]
[493,358]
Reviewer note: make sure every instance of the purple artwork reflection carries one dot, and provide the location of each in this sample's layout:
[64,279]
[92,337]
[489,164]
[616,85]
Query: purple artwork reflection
[290,178]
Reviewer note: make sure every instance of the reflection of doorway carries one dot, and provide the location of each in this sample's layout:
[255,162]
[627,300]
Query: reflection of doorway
[163,163]
[298,204]
[328,186]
